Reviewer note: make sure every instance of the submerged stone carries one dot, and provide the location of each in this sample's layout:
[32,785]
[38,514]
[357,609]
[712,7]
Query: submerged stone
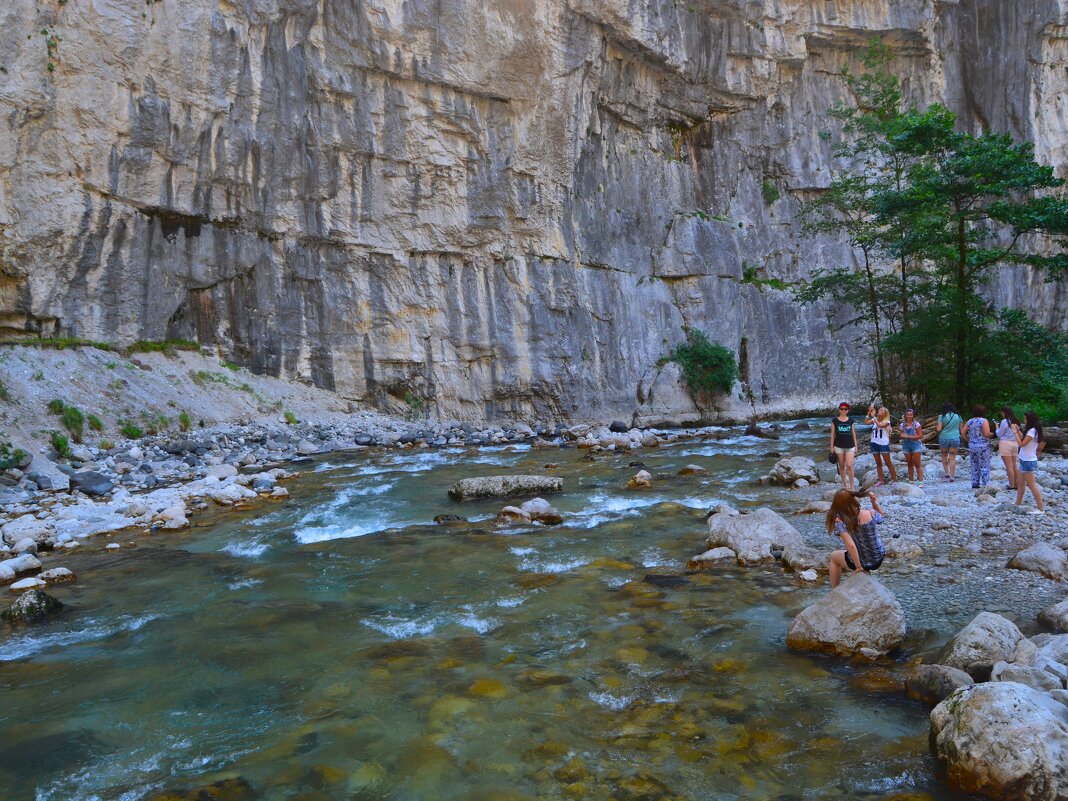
[32,607]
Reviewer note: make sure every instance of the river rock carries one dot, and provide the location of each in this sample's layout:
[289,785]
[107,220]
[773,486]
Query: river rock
[1050,646]
[1024,674]
[791,469]
[57,575]
[907,491]
[932,683]
[902,547]
[541,511]
[1056,616]
[693,470]
[1003,740]
[860,617]
[173,517]
[25,563]
[221,471]
[752,534]
[25,545]
[986,640]
[504,486]
[643,479]
[32,607]
[91,483]
[1042,558]
[713,557]
[815,507]
[27,526]
[798,556]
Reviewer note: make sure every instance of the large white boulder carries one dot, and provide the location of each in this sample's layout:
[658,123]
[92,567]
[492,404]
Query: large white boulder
[986,640]
[1003,740]
[860,617]
[27,526]
[751,534]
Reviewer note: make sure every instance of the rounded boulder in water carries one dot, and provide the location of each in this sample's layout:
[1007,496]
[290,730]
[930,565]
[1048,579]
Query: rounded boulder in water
[33,606]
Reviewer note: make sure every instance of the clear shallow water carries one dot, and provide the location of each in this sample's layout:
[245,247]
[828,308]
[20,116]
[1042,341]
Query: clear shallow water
[341,646]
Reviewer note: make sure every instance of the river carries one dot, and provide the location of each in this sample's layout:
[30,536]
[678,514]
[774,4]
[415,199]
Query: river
[342,646]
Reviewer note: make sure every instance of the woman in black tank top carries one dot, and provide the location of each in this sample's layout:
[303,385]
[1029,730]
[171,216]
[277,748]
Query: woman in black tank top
[844,444]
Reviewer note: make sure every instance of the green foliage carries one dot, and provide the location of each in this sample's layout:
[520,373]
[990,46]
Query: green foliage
[56,406]
[231,366]
[107,444]
[707,366]
[5,395]
[752,275]
[57,343]
[9,457]
[163,346]
[769,190]
[184,422]
[414,404]
[61,444]
[130,430]
[95,423]
[74,422]
[290,418]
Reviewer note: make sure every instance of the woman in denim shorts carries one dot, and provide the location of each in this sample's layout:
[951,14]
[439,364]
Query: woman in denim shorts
[1030,443]
[912,444]
[880,441]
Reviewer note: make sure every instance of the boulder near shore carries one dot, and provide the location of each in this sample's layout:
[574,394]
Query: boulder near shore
[859,618]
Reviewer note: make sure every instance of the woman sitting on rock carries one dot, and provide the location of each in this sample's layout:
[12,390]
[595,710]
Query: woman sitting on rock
[856,527]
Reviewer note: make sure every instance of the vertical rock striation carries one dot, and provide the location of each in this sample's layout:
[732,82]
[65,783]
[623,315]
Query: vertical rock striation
[507,209]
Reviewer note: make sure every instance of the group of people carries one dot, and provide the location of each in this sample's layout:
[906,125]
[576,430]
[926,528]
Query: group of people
[1019,446]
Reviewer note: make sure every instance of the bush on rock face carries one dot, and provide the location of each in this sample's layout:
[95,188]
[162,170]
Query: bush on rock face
[1003,740]
[707,366]
[860,617]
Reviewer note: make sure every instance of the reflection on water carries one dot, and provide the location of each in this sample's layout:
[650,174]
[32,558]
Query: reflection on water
[341,647]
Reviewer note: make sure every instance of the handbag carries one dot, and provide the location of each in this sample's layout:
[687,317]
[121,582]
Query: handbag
[832,457]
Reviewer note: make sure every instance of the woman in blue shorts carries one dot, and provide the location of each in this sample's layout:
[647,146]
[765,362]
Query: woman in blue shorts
[880,441]
[949,426]
[912,444]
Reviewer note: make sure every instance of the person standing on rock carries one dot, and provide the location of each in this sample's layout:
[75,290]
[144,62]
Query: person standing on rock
[1008,447]
[977,432]
[844,443]
[880,442]
[1030,444]
[856,527]
[912,444]
[949,431]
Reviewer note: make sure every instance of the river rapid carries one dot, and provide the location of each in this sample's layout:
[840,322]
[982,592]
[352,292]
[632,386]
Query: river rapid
[343,646]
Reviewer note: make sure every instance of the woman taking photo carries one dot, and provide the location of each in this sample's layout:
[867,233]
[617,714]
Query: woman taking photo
[1030,443]
[912,444]
[844,443]
[880,441]
[863,548]
[977,432]
[1008,447]
[949,426]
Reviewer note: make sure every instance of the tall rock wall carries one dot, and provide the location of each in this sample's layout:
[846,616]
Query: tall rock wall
[510,209]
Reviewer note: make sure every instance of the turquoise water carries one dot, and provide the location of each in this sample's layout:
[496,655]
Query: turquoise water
[342,646]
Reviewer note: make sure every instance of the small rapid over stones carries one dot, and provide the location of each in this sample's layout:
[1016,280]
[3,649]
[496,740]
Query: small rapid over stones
[340,643]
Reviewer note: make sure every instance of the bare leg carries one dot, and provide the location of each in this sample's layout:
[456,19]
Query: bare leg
[836,566]
[952,459]
[1010,469]
[879,465]
[919,466]
[849,469]
[1032,484]
[841,469]
[890,467]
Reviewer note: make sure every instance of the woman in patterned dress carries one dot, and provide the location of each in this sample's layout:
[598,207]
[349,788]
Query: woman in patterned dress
[977,432]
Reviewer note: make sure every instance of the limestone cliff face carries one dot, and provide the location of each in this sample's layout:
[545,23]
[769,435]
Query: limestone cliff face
[510,209]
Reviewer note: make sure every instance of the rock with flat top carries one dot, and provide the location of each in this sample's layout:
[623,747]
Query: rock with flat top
[753,534]
[791,469]
[860,617]
[713,557]
[504,486]
[1042,558]
[1003,740]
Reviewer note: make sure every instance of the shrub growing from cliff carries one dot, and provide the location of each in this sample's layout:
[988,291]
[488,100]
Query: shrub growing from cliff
[61,444]
[74,422]
[707,367]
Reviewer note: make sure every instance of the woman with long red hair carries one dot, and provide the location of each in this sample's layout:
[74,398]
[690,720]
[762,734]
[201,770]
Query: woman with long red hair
[863,548]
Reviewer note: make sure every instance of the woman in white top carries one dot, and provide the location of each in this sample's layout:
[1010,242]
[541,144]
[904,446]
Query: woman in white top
[880,441]
[1030,443]
[1008,448]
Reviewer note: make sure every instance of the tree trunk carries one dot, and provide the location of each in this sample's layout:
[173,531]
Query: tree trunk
[873,299]
[961,349]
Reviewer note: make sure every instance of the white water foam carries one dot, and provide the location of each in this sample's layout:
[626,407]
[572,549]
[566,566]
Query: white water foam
[540,566]
[604,508]
[31,644]
[518,551]
[250,549]
[613,702]
[510,603]
[400,628]
[244,583]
